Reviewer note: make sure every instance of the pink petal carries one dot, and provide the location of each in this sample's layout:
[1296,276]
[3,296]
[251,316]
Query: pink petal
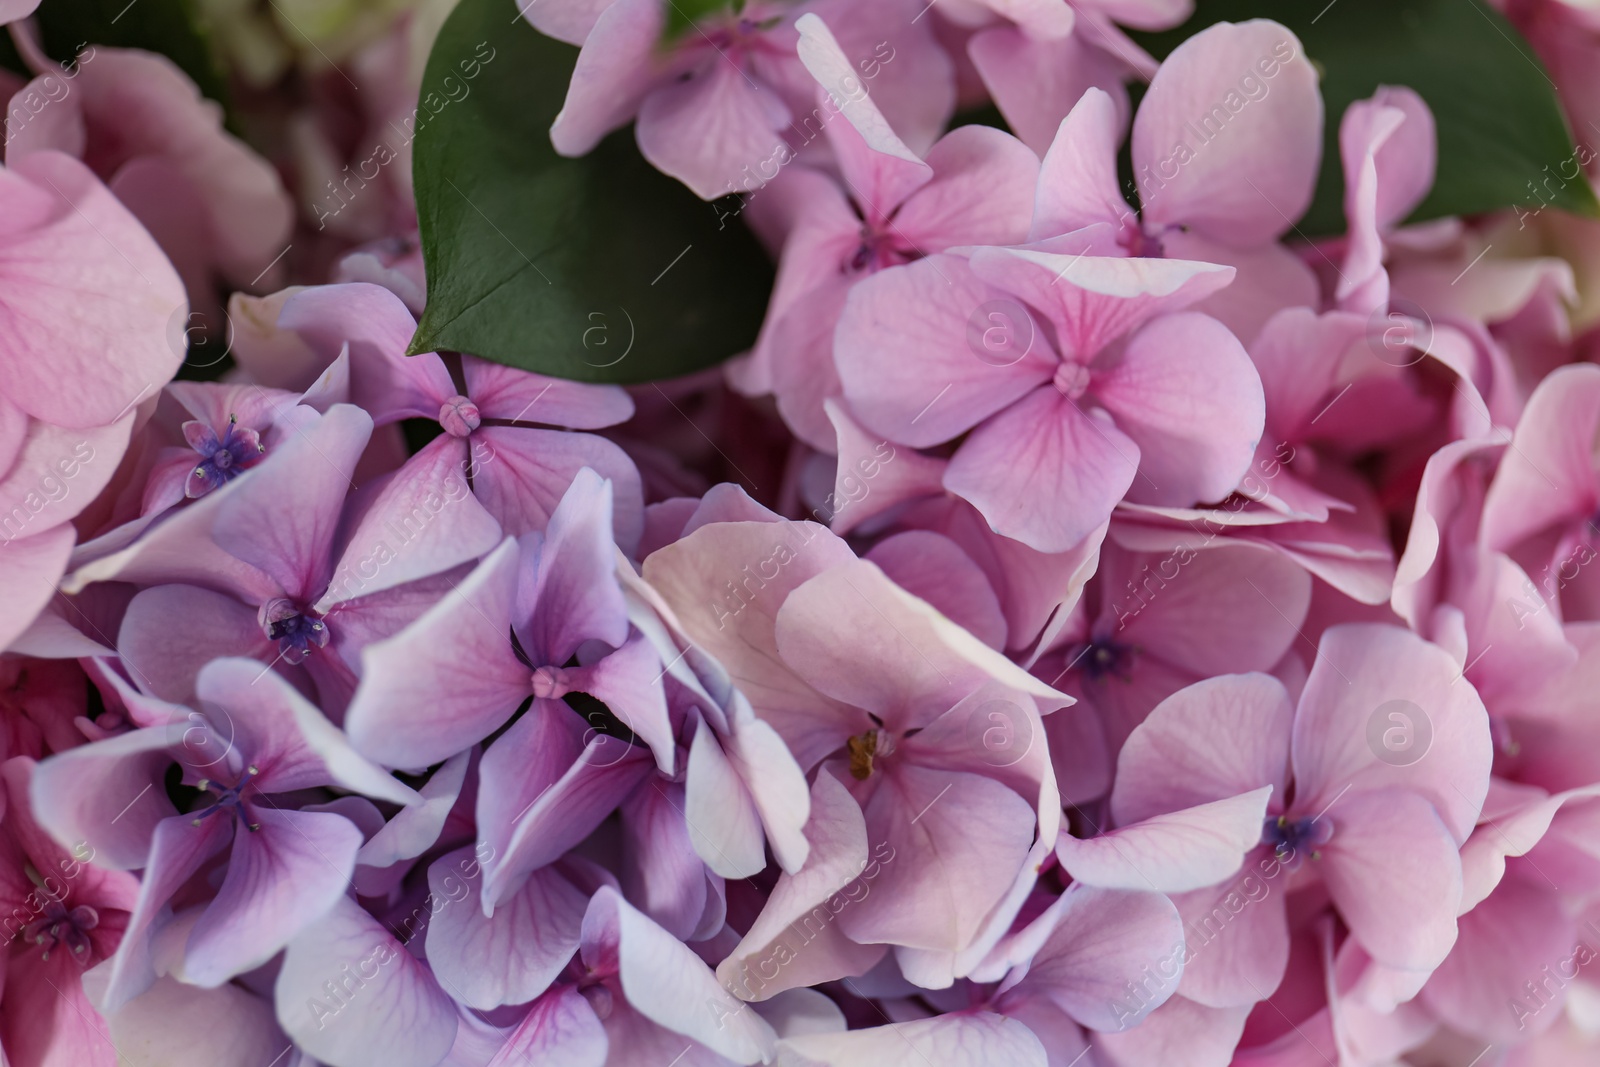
[1368,680]
[68,244]
[1394,872]
[904,349]
[508,393]
[1095,299]
[30,569]
[1044,472]
[1188,395]
[520,475]
[1548,474]
[1229,135]
[1078,183]
[933,567]
[1170,853]
[981,193]
[1036,82]
[1216,739]
[615,70]
[1237,935]
[712,129]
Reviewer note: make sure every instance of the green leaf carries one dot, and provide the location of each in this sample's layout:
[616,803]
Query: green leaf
[1499,122]
[598,269]
[169,27]
[683,14]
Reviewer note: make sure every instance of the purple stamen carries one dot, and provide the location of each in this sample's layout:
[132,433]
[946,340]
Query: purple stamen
[296,630]
[1293,839]
[226,457]
[230,799]
[59,925]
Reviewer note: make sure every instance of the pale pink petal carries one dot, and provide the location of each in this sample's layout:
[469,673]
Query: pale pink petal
[82,278]
[916,361]
[1170,853]
[1369,680]
[520,475]
[1235,111]
[1078,183]
[1236,934]
[1267,279]
[981,193]
[962,1039]
[798,923]
[958,842]
[1216,739]
[1394,872]
[1044,472]
[615,70]
[1188,395]
[711,130]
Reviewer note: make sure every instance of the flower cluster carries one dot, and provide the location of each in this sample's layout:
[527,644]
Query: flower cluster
[1151,638]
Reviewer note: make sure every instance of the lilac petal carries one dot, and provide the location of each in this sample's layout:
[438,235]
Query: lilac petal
[171,631]
[285,737]
[281,878]
[348,992]
[575,597]
[77,795]
[560,1027]
[961,1039]
[412,831]
[314,470]
[520,475]
[661,873]
[447,680]
[514,956]
[665,982]
[376,326]
[812,949]
[424,521]
[566,802]
[178,849]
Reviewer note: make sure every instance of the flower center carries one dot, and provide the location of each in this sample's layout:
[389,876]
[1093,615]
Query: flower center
[297,631]
[1293,839]
[59,925]
[550,683]
[459,416]
[229,800]
[226,457]
[1104,657]
[1072,379]
[865,749]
